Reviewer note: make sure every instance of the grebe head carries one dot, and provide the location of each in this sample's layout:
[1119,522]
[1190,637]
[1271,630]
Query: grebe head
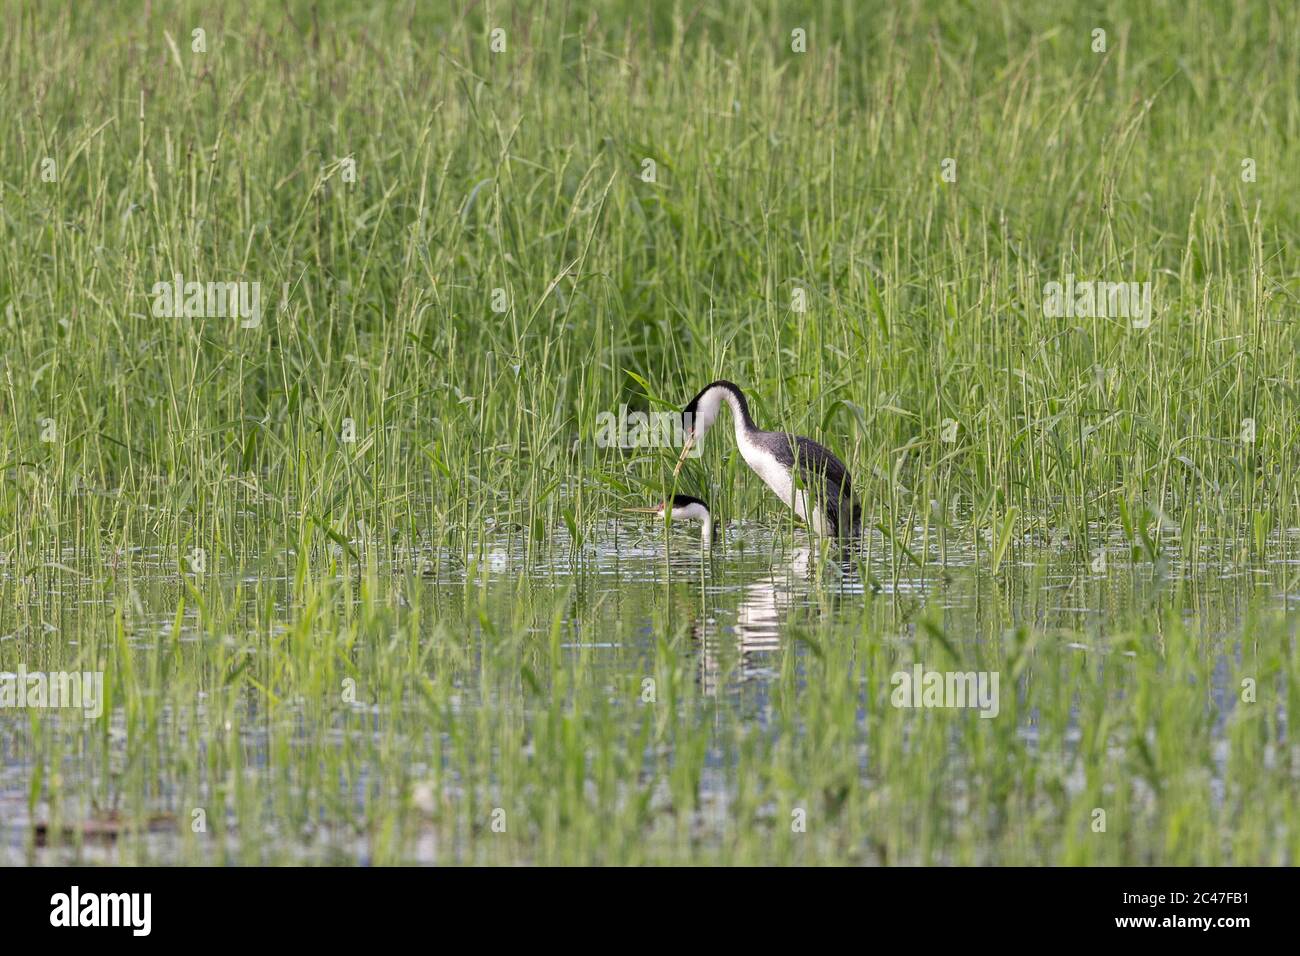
[698,416]
[684,508]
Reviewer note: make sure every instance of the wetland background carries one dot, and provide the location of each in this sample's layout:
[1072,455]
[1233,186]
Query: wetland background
[356,575]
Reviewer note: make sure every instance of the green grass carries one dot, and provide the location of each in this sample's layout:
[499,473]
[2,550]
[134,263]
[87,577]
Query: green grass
[521,171]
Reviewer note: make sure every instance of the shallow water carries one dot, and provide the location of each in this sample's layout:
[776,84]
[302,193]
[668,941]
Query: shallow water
[459,660]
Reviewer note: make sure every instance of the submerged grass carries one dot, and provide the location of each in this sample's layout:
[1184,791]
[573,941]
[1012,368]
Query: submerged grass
[507,718]
[230,518]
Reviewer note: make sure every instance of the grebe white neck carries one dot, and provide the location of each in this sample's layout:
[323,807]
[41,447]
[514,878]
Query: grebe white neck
[709,405]
[695,511]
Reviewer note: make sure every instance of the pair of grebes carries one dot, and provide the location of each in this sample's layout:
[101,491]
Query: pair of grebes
[804,474]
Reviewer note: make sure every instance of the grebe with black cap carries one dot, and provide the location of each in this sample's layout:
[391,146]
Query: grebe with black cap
[685,508]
